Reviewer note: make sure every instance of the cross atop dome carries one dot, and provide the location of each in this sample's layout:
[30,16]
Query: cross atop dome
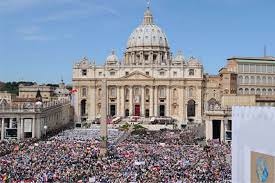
[148,17]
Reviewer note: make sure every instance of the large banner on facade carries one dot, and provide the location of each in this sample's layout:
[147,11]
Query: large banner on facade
[27,125]
[253,145]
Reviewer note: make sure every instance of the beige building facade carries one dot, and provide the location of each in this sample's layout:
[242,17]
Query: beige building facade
[147,82]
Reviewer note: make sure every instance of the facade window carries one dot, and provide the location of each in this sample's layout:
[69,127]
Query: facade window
[240,79]
[269,81]
[258,91]
[146,57]
[246,91]
[191,108]
[258,80]
[126,73]
[112,73]
[264,80]
[252,79]
[252,68]
[269,68]
[264,68]
[252,91]
[136,92]
[175,73]
[269,91]
[113,92]
[84,72]
[258,68]
[246,79]
[100,73]
[161,73]
[263,91]
[84,92]
[246,68]
[240,68]
[147,73]
[273,68]
[191,72]
[240,91]
[162,92]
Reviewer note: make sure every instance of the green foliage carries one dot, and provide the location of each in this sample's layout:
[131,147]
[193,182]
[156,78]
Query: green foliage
[125,127]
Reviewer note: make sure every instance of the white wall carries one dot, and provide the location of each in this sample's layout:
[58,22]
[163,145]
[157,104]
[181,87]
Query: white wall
[253,130]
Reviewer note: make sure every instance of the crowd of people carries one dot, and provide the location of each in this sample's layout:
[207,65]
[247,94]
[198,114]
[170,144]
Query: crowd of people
[161,156]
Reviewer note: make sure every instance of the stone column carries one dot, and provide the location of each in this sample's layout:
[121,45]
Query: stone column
[92,113]
[2,129]
[151,110]
[22,128]
[118,99]
[156,101]
[142,101]
[208,129]
[33,128]
[18,121]
[222,135]
[168,111]
[131,100]
[122,101]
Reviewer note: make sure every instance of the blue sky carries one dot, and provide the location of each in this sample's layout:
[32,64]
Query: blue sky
[40,40]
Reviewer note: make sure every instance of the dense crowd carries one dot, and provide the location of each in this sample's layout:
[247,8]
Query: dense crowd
[163,156]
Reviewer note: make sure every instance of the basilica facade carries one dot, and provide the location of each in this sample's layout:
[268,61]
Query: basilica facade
[147,82]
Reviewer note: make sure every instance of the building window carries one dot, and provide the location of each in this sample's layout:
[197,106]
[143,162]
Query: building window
[162,92]
[258,68]
[240,68]
[252,79]
[269,68]
[246,68]
[191,108]
[258,91]
[240,91]
[84,72]
[146,57]
[264,80]
[246,79]
[147,73]
[175,73]
[126,73]
[269,91]
[84,92]
[246,91]
[161,73]
[100,73]
[273,68]
[240,80]
[269,81]
[113,92]
[258,80]
[252,68]
[112,73]
[264,68]
[263,91]
[252,91]
[191,72]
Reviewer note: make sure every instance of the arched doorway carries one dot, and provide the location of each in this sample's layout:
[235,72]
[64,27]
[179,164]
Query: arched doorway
[191,108]
[83,107]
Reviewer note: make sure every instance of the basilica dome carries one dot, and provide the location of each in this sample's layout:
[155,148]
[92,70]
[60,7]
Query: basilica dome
[147,34]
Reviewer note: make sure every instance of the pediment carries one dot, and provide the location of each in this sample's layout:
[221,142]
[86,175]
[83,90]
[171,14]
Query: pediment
[136,75]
